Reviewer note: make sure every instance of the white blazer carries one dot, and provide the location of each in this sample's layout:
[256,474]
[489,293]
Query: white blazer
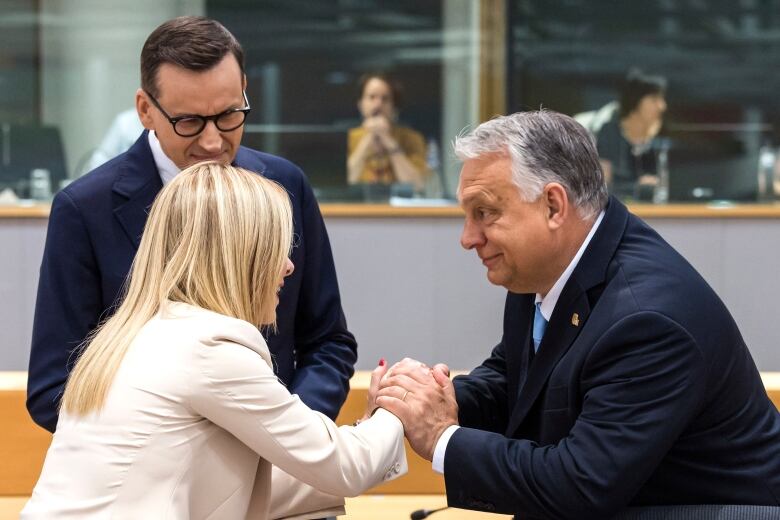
[192,424]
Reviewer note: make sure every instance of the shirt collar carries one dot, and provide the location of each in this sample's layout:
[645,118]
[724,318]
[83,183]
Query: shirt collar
[168,170]
[549,301]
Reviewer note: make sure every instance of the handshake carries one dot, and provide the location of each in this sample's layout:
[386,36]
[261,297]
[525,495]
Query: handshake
[422,397]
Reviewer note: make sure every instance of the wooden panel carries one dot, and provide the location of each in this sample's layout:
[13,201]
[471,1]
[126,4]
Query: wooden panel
[492,58]
[23,444]
[772,385]
[36,211]
[387,211]
[705,210]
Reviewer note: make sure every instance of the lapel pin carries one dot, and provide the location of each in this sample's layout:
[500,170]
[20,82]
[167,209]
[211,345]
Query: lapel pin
[575,319]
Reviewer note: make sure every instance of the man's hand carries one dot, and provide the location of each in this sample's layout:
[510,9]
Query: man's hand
[424,400]
[378,125]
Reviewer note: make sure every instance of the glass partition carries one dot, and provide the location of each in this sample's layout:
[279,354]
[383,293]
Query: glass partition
[72,71]
[720,124]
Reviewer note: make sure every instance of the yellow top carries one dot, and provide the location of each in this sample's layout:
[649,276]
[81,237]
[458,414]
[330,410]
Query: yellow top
[378,168]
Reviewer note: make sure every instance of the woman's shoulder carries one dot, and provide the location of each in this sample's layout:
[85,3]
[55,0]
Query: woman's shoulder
[205,328]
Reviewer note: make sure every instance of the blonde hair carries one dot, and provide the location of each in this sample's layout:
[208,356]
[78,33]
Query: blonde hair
[218,238]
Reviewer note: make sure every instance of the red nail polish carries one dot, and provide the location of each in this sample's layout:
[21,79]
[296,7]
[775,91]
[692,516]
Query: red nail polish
[382,362]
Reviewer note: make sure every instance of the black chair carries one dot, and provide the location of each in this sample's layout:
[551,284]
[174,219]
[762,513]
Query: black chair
[700,512]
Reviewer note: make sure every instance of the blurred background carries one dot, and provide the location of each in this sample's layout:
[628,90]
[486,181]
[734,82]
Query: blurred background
[69,68]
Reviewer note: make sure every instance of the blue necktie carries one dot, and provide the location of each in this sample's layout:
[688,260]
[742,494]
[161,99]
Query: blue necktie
[539,325]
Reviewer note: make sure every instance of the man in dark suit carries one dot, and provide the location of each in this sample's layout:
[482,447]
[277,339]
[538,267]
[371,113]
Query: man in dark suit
[193,104]
[620,379]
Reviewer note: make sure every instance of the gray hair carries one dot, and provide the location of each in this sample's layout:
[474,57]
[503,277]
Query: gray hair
[544,147]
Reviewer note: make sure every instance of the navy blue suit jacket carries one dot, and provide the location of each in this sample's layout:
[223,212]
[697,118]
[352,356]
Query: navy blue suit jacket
[94,231]
[642,393]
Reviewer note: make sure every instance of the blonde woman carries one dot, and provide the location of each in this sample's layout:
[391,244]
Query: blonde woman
[173,409]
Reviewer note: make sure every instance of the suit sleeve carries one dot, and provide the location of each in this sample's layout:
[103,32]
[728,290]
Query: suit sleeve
[236,390]
[482,394]
[641,384]
[326,351]
[67,308]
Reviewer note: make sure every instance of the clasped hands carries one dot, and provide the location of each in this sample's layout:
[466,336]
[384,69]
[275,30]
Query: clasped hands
[381,128]
[423,398]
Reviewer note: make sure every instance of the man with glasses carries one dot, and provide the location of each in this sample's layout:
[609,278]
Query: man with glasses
[193,104]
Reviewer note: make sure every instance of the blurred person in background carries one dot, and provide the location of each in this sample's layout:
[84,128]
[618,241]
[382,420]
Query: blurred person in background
[626,141]
[380,151]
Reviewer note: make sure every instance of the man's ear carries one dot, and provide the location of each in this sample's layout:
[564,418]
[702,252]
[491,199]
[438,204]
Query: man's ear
[144,108]
[243,83]
[557,204]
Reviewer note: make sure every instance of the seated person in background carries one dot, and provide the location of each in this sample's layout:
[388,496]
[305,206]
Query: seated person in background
[380,151]
[173,409]
[123,132]
[625,141]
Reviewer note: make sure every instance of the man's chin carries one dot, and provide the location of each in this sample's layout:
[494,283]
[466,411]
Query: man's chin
[496,278]
[222,158]
[506,282]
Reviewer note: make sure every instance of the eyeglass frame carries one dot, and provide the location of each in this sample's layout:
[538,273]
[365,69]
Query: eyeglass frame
[204,119]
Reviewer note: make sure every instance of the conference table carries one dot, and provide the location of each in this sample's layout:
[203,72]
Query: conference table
[373,507]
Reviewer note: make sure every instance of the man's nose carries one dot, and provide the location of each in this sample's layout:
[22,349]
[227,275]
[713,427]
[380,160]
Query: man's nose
[210,139]
[471,236]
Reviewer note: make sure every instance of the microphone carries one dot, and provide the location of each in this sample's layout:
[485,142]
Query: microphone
[425,513]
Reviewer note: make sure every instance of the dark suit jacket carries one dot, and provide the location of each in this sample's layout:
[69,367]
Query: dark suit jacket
[94,231]
[647,396]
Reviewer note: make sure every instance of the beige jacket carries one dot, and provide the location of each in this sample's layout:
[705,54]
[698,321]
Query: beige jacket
[193,423]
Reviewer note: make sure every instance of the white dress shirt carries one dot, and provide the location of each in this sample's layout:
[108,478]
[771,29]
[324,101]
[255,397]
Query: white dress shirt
[548,305]
[168,170]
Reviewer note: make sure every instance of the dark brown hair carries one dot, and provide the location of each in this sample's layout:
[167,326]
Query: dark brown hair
[637,85]
[396,91]
[191,42]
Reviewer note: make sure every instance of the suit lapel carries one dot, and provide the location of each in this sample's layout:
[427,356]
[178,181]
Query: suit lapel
[517,342]
[245,159]
[564,326]
[558,337]
[137,185]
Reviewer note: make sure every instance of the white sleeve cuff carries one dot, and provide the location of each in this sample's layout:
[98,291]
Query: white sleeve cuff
[441,449]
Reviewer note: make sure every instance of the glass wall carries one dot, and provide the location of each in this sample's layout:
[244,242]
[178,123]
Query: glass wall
[720,126]
[70,76]
[69,70]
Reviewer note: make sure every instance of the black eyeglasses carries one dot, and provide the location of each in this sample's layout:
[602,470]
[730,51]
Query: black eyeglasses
[193,124]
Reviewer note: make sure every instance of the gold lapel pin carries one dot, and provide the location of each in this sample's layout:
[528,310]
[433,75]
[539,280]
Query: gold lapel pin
[575,319]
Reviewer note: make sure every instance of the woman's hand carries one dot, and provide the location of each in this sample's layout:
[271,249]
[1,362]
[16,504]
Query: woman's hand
[376,376]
